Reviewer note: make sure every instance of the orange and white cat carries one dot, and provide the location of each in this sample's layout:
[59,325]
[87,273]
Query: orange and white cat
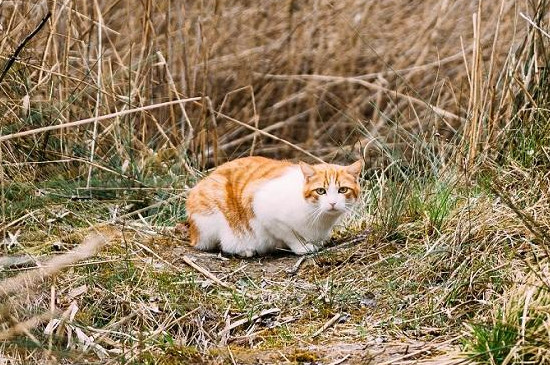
[255,205]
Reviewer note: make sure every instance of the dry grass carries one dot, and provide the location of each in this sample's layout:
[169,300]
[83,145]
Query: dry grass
[113,109]
[325,76]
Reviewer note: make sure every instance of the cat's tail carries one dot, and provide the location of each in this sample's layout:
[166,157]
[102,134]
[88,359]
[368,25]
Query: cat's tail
[189,229]
[182,228]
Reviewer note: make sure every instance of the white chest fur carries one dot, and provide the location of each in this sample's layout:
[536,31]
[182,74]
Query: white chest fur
[282,213]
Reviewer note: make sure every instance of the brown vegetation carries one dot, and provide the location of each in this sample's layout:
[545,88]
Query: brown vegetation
[325,76]
[113,109]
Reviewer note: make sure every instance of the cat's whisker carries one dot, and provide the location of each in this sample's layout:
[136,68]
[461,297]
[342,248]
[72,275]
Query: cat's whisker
[313,212]
[320,215]
[315,215]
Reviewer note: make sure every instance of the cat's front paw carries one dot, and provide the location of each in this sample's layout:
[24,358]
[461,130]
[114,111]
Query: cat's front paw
[246,253]
[304,249]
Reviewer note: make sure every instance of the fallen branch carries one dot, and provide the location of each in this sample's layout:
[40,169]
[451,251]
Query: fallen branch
[330,322]
[257,333]
[205,272]
[341,244]
[213,277]
[294,269]
[240,322]
[340,360]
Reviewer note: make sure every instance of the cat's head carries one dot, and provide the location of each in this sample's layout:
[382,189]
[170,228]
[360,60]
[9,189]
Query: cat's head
[331,189]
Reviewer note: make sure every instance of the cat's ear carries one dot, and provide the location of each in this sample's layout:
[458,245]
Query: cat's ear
[355,168]
[307,170]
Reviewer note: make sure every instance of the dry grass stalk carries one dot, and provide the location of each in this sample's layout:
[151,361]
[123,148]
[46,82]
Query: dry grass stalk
[93,119]
[25,281]
[98,99]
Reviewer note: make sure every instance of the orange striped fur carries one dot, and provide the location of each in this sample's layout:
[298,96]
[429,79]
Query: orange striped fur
[230,189]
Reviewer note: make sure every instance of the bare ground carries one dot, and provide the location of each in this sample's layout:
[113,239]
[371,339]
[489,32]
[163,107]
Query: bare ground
[350,322]
[351,303]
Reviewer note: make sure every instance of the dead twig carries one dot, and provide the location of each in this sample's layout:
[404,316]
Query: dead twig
[240,322]
[330,322]
[22,45]
[24,327]
[269,135]
[294,269]
[239,339]
[339,245]
[339,361]
[205,272]
[213,277]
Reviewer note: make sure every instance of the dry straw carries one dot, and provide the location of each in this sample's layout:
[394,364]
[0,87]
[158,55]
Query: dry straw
[115,96]
[288,78]
[27,280]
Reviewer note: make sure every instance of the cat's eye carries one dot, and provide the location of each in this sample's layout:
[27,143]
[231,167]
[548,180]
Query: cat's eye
[343,190]
[320,191]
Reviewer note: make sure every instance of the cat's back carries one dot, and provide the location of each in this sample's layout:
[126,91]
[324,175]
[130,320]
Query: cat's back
[253,166]
[246,170]
[232,184]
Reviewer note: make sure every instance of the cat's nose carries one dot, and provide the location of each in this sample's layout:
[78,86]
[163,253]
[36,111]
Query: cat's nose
[332,205]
